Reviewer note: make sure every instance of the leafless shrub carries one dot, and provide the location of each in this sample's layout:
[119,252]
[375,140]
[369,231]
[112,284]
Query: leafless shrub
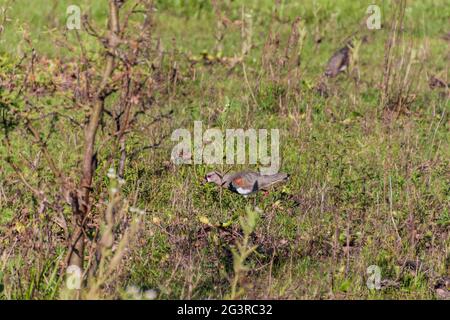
[281,62]
[401,70]
[112,98]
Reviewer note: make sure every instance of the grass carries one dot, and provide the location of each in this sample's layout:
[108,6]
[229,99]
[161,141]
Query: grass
[365,188]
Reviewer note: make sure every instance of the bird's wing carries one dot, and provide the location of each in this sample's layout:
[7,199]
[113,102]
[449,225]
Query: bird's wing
[338,62]
[245,180]
[267,181]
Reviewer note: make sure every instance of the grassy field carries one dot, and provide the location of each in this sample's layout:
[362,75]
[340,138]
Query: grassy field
[368,158]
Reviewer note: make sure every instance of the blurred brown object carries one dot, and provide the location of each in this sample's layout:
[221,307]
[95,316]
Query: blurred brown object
[338,62]
[435,83]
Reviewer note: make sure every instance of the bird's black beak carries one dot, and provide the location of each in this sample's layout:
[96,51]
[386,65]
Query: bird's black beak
[204,181]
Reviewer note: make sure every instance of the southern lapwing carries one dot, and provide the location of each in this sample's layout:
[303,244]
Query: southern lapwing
[245,182]
[339,61]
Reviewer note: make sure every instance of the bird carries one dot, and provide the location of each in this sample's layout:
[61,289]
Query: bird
[446,36]
[245,182]
[436,83]
[339,61]
[442,288]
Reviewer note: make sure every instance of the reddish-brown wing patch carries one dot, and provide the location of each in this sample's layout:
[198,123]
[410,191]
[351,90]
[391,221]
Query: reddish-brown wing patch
[239,182]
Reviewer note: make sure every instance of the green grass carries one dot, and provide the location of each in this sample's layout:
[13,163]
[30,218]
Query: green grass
[354,174]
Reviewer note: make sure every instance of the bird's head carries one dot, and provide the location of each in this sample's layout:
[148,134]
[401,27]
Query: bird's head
[213,177]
